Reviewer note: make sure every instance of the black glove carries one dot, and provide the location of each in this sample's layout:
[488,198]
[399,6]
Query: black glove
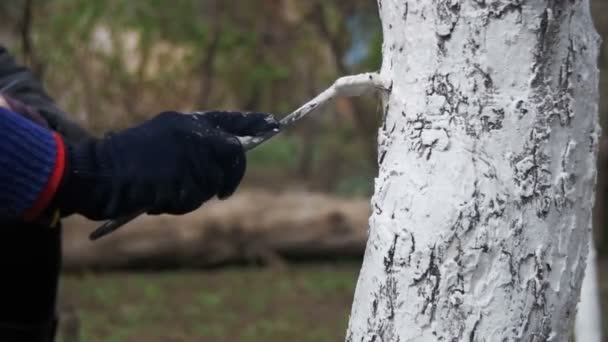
[171,164]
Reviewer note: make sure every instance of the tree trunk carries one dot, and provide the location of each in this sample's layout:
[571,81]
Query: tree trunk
[483,201]
[588,325]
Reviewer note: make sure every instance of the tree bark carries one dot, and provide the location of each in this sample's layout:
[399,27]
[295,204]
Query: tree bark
[588,324]
[213,11]
[487,155]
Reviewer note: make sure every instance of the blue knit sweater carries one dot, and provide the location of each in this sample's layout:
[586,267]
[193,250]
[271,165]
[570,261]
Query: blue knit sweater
[27,159]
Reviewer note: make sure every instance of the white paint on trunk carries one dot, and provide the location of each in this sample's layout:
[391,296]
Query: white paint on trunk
[588,327]
[487,169]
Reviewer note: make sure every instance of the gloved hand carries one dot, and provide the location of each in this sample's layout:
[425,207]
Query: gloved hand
[171,164]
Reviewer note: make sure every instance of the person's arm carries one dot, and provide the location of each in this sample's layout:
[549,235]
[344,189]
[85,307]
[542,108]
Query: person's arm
[32,162]
[19,83]
[171,164]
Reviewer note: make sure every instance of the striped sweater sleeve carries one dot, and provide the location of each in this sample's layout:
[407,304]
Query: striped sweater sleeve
[32,161]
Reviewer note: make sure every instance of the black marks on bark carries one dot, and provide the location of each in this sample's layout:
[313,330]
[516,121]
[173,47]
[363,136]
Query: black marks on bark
[484,248]
[540,50]
[390,87]
[393,259]
[521,109]
[499,8]
[548,35]
[532,173]
[432,140]
[492,120]
[441,86]
[566,68]
[381,325]
[391,294]
[496,207]
[390,257]
[386,141]
[379,210]
[417,124]
[428,286]
[474,330]
[488,82]
[512,270]
[425,138]
[448,12]
[382,156]
[469,217]
[552,101]
[385,115]
[413,248]
[406,11]
[476,112]
[375,307]
[447,15]
[472,46]
[594,136]
[539,316]
[557,100]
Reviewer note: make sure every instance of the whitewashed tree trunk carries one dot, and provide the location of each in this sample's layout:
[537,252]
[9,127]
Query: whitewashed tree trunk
[487,159]
[588,327]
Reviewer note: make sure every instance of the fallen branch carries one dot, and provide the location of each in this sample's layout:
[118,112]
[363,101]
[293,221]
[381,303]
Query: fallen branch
[251,227]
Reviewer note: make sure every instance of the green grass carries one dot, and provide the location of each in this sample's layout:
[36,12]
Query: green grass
[304,303]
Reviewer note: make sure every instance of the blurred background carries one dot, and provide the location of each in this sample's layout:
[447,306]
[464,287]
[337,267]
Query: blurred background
[280,259]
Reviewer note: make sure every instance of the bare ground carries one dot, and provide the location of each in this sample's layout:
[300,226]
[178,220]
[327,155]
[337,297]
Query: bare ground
[302,303]
[306,302]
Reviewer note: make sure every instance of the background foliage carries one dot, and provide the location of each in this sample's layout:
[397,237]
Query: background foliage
[113,63]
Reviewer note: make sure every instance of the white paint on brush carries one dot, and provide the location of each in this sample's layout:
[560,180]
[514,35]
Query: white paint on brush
[347,86]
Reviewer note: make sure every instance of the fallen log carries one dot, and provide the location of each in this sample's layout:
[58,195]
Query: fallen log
[251,227]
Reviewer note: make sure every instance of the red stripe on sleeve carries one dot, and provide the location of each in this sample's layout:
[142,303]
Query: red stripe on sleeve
[50,189]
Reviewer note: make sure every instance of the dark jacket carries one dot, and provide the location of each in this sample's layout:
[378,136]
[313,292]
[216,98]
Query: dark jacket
[20,83]
[30,254]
